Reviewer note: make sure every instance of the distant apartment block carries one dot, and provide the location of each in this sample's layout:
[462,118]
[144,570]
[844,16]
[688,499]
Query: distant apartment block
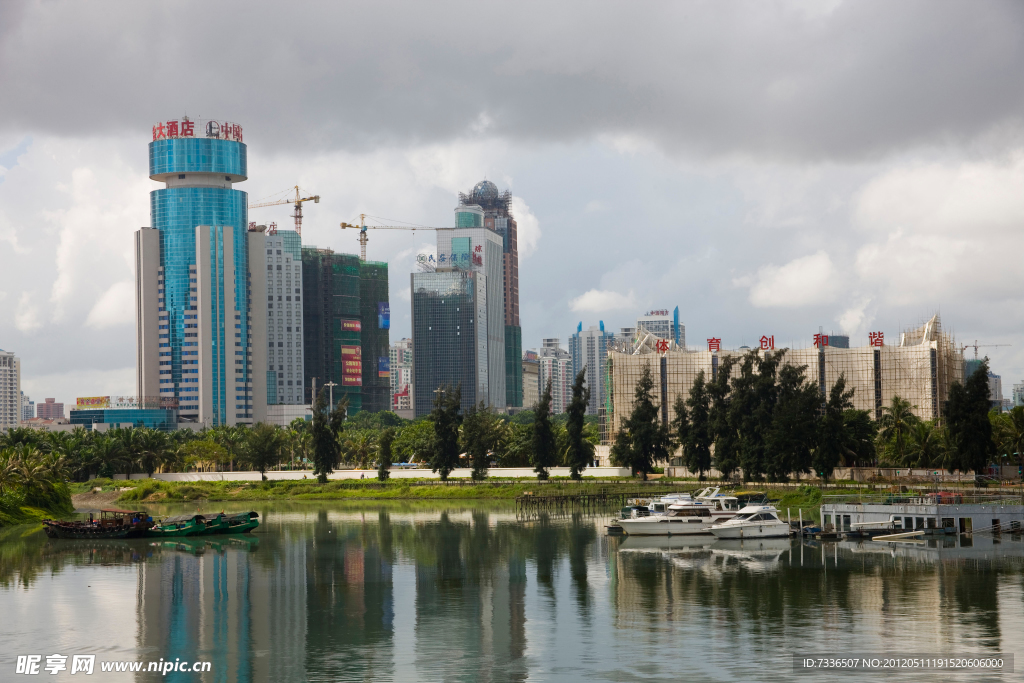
[401,374]
[556,367]
[28,407]
[589,350]
[50,410]
[10,390]
[531,379]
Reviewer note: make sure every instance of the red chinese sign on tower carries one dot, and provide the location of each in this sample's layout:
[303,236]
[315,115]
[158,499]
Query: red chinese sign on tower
[820,340]
[187,129]
[768,343]
[714,344]
[661,345]
[876,339]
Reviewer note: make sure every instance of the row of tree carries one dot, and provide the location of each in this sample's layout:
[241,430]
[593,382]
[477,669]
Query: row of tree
[761,417]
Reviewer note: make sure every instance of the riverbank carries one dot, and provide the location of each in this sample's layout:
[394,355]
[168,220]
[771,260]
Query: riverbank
[141,491]
[17,508]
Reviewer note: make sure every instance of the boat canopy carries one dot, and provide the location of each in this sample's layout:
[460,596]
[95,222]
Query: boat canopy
[178,519]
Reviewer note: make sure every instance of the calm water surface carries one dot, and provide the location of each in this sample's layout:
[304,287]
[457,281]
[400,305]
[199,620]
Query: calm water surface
[439,592]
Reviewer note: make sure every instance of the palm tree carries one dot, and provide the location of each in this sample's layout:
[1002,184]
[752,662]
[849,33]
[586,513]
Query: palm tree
[263,446]
[925,447]
[895,425]
[1009,433]
[10,477]
[153,450]
[107,455]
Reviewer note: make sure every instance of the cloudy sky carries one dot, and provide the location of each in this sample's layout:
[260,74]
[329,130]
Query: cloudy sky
[769,167]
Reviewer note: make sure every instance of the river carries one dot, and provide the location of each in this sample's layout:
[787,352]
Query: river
[430,591]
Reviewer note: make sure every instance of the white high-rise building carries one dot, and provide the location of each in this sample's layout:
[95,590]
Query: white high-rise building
[10,390]
[589,350]
[284,322]
[556,366]
[664,325]
[401,374]
[28,407]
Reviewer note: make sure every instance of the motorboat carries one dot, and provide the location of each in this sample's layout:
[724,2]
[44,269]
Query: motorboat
[694,517]
[753,521]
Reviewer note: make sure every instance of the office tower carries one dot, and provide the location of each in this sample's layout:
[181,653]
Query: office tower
[458,321]
[284,318]
[589,349]
[662,325]
[10,390]
[401,375]
[347,318]
[50,410]
[556,366]
[531,378]
[486,207]
[202,345]
[28,407]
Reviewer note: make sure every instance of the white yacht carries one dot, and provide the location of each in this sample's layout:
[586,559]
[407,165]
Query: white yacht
[753,521]
[693,517]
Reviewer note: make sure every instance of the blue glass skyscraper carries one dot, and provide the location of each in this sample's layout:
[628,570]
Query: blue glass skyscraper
[195,270]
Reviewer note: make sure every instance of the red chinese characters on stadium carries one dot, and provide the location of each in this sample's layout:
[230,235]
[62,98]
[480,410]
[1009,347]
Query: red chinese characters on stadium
[876,339]
[661,345]
[714,344]
[820,340]
[768,343]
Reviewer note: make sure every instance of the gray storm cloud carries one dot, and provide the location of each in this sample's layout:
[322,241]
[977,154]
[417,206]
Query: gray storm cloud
[815,80]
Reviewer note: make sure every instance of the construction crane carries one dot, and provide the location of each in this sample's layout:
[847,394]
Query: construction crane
[364,238]
[297,201]
[977,346]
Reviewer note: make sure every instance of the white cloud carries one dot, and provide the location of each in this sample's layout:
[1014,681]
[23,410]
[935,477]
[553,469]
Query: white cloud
[854,321]
[595,206]
[599,301]
[116,307]
[26,318]
[527,225]
[803,281]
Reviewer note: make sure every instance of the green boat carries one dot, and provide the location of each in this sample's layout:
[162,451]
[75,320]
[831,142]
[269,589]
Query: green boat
[215,524]
[241,523]
[181,525]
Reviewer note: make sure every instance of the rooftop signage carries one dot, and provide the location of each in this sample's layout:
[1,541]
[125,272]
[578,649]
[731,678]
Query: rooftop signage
[186,128]
[658,312]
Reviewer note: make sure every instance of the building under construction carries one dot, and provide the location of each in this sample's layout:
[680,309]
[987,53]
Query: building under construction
[920,369]
[347,317]
[496,214]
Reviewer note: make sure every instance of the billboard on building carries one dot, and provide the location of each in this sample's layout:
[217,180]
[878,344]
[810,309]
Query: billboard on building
[383,366]
[92,402]
[384,315]
[351,380]
[351,325]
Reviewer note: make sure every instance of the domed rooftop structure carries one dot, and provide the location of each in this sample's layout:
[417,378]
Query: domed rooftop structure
[485,191]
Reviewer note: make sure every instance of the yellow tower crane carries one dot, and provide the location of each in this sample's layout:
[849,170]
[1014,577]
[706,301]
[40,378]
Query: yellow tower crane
[297,201]
[364,238]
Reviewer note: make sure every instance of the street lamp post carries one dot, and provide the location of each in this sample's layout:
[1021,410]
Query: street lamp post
[330,388]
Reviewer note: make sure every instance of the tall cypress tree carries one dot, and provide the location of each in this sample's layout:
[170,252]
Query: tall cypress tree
[970,430]
[446,418]
[721,428]
[793,431]
[384,455]
[578,451]
[545,450]
[479,433]
[832,432]
[697,444]
[648,438]
[327,427]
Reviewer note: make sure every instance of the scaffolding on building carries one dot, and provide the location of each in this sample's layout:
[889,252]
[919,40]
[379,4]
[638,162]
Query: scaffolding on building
[920,369]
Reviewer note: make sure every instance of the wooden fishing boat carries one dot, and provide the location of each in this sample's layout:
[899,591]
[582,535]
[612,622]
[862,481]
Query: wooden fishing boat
[215,524]
[241,523]
[108,523]
[180,525]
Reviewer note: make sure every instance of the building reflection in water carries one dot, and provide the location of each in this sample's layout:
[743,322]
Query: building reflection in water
[325,594]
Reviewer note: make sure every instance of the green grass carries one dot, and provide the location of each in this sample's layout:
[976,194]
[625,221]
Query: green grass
[17,508]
